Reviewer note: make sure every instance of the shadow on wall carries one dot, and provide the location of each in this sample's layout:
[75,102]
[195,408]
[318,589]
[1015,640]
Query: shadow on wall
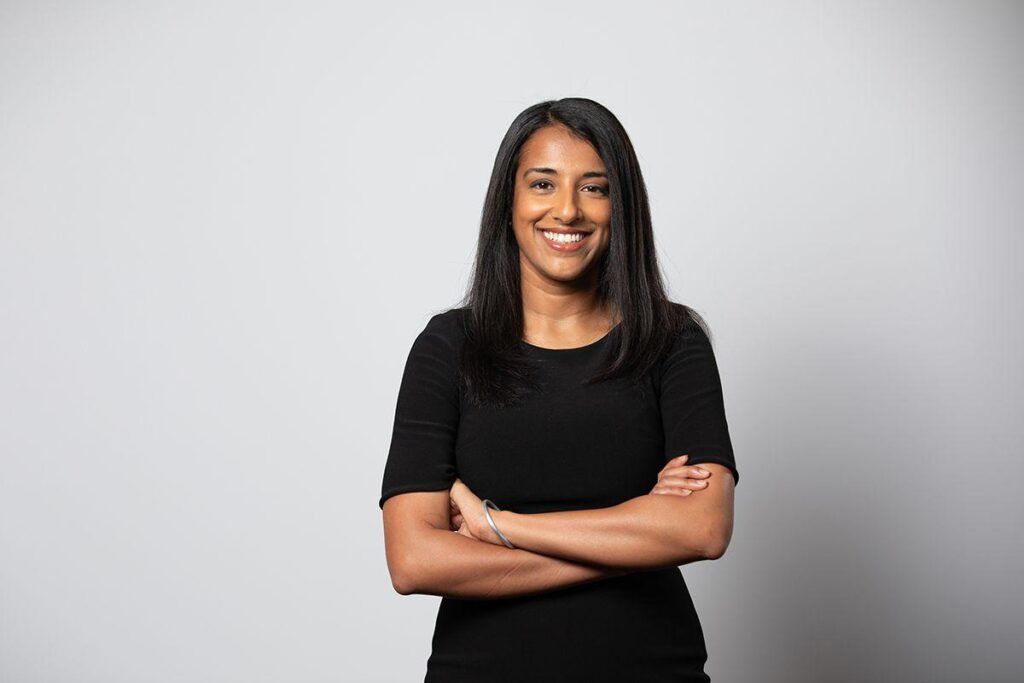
[856,564]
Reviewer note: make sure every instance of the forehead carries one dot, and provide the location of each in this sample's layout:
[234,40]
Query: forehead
[557,148]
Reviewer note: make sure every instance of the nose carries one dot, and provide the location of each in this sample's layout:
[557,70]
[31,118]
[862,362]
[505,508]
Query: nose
[566,208]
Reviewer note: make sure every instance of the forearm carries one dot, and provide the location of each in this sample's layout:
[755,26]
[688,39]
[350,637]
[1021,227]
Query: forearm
[450,564]
[646,532]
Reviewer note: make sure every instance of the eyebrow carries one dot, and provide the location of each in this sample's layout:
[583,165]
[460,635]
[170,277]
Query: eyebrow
[551,171]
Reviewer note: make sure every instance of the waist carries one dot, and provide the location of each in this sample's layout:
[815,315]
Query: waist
[627,623]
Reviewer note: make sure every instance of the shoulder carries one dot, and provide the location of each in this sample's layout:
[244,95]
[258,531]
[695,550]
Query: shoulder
[689,341]
[688,327]
[448,324]
[442,337]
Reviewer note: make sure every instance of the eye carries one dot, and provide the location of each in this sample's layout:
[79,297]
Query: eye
[600,189]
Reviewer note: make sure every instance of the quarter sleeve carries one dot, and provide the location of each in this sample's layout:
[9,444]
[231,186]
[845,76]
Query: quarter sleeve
[692,404]
[422,452]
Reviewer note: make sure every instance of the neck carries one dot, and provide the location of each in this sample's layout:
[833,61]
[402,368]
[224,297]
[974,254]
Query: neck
[563,310]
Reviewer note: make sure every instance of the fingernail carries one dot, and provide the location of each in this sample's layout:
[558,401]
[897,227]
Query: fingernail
[702,471]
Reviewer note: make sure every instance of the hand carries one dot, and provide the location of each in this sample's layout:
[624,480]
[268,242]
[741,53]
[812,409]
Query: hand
[677,479]
[466,514]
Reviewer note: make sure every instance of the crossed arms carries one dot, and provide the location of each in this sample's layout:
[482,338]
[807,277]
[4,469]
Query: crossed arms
[666,527]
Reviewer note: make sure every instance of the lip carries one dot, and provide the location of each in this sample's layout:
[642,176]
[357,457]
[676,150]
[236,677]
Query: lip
[558,246]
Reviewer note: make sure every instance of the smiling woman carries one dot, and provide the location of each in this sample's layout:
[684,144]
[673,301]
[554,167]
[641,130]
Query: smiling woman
[567,422]
[561,204]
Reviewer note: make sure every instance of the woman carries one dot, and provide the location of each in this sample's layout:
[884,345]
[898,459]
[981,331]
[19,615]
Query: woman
[555,421]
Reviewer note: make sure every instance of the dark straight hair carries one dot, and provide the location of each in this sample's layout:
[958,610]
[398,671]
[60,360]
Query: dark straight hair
[495,371]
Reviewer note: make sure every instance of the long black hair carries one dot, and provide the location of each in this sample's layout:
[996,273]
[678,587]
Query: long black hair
[494,369]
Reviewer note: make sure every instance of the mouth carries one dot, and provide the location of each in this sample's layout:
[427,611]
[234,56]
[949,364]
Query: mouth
[564,240]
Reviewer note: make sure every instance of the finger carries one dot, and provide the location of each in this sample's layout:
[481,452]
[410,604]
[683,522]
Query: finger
[677,461]
[691,472]
[670,491]
[695,484]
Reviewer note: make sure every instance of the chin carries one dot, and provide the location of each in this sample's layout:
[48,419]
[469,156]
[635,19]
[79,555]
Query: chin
[565,275]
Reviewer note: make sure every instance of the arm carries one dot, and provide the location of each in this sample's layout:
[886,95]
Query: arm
[645,532]
[425,557]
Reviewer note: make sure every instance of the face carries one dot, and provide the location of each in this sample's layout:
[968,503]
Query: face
[561,211]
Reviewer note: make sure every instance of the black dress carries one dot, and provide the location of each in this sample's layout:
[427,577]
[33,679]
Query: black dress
[568,447]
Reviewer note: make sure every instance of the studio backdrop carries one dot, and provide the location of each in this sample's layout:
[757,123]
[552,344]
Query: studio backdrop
[223,224]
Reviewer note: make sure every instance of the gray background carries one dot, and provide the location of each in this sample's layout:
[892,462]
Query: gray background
[223,224]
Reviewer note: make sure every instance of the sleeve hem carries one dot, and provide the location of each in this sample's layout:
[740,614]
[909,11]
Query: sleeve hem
[698,459]
[409,488]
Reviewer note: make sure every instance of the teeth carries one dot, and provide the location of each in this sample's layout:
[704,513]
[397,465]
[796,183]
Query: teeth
[564,239]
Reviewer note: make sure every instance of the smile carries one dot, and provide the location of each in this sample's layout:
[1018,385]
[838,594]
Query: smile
[561,241]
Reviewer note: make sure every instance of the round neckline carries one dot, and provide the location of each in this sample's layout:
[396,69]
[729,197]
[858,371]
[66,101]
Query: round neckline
[592,344]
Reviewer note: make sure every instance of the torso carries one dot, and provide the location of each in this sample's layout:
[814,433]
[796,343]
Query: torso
[569,447]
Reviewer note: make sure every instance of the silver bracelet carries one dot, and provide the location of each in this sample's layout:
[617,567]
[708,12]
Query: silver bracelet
[487,514]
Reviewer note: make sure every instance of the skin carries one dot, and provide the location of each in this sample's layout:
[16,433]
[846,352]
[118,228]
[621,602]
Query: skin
[675,479]
[560,303]
[567,548]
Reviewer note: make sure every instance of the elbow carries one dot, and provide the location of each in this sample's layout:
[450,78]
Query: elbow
[402,578]
[413,563]
[401,587]
[717,543]
[715,550]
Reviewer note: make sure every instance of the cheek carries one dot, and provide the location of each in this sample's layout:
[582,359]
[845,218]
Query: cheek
[530,208]
[523,235]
